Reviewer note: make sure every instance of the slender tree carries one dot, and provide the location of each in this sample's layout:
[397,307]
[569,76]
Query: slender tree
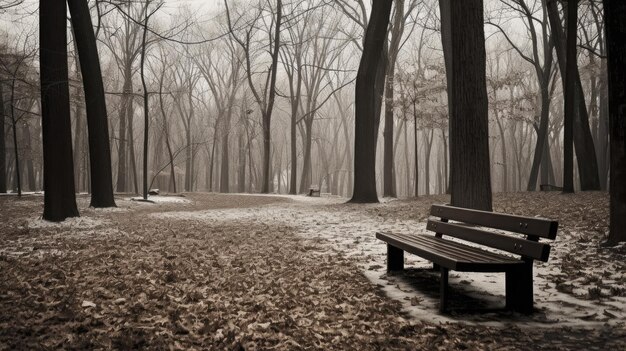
[569,100]
[367,106]
[97,121]
[470,179]
[3,170]
[614,14]
[58,183]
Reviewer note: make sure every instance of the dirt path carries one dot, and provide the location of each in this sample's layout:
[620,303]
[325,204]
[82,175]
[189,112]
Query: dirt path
[138,278]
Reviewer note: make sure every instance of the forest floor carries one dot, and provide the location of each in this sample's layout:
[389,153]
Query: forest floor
[248,272]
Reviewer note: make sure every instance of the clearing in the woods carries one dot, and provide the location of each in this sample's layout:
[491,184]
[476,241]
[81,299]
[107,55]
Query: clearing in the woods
[209,271]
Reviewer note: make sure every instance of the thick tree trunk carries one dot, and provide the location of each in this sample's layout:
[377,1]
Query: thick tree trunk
[470,178]
[614,14]
[367,104]
[59,196]
[97,121]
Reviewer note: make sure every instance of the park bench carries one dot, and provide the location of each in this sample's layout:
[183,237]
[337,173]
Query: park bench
[454,255]
[314,192]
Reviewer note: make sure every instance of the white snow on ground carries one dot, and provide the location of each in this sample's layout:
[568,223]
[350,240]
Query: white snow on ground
[80,223]
[159,199]
[350,231]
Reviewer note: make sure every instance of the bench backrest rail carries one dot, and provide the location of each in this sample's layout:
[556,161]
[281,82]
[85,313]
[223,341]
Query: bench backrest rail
[528,248]
[532,226]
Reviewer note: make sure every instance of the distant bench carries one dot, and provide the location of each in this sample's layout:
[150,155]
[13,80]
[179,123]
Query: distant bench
[314,192]
[452,255]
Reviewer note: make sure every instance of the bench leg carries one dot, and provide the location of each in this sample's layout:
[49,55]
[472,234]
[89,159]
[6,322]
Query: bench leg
[443,290]
[395,258]
[519,289]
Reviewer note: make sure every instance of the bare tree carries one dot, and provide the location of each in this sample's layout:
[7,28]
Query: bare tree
[59,197]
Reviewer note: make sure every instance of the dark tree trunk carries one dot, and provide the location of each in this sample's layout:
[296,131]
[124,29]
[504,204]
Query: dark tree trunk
[28,156]
[470,179]
[367,103]
[225,166]
[97,121]
[569,99]
[126,100]
[146,112]
[614,14]
[3,154]
[583,140]
[59,196]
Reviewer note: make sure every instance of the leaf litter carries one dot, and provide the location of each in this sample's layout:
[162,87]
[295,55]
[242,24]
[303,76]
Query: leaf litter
[159,278]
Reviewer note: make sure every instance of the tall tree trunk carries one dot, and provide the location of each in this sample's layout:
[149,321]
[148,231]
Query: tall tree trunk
[305,178]
[389,188]
[570,99]
[614,14]
[583,140]
[59,196]
[146,112]
[470,178]
[241,175]
[28,156]
[367,103]
[429,136]
[224,171]
[603,127]
[18,176]
[3,151]
[126,100]
[97,122]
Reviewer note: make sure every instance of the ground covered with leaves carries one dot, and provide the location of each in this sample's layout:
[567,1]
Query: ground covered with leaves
[206,271]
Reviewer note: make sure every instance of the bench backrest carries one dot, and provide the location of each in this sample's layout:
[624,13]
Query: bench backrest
[534,228]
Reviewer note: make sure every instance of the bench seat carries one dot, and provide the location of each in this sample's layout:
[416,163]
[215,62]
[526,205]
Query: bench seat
[451,254]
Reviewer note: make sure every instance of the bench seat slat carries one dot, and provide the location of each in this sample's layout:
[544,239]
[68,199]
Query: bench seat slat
[511,244]
[450,254]
[540,227]
[460,252]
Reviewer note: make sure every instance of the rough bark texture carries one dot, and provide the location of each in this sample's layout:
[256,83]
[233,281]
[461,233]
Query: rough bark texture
[97,121]
[615,12]
[59,196]
[470,179]
[367,103]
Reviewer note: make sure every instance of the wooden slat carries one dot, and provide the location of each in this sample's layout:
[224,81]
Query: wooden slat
[510,244]
[541,227]
[449,254]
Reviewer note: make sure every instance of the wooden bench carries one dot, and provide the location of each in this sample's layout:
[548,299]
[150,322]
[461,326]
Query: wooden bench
[454,255]
[314,192]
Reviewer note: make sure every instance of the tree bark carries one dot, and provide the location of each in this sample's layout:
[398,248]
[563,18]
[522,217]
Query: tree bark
[569,98]
[614,14]
[59,196]
[367,103]
[583,140]
[3,154]
[470,178]
[97,120]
